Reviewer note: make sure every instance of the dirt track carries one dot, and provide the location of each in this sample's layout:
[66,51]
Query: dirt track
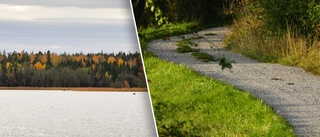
[291,91]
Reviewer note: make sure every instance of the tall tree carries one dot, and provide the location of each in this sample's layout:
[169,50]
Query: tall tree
[48,63]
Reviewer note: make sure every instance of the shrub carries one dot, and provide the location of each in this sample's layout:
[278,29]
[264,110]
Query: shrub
[301,14]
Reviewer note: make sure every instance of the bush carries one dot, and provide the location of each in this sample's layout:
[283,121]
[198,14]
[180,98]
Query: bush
[161,12]
[303,15]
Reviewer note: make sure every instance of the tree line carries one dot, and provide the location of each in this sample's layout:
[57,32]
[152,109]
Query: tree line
[161,12]
[46,69]
[276,15]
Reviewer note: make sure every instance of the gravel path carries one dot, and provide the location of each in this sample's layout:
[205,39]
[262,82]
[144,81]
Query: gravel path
[293,92]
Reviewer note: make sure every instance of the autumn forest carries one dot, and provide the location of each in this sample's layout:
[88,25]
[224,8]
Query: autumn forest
[46,69]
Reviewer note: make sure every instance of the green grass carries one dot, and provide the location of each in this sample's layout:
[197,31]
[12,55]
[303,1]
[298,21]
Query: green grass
[186,42]
[167,31]
[185,46]
[188,104]
[186,49]
[205,57]
[152,33]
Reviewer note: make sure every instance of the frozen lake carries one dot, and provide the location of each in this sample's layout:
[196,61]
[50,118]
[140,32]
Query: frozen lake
[68,113]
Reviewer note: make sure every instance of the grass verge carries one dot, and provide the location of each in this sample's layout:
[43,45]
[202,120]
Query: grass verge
[152,33]
[188,104]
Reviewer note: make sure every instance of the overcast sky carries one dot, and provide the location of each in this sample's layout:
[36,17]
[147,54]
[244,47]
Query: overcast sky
[87,26]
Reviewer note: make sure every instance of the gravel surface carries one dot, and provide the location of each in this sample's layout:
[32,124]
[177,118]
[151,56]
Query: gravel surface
[293,92]
[75,114]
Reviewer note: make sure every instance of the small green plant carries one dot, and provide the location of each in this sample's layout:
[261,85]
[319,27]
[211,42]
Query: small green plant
[184,46]
[225,63]
[186,42]
[186,49]
[205,57]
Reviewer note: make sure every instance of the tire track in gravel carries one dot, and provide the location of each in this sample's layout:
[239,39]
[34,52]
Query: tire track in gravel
[291,91]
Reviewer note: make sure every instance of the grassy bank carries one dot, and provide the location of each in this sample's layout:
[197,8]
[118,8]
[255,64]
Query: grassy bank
[151,33]
[188,104]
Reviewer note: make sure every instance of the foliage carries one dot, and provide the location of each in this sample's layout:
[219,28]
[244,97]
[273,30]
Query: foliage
[71,70]
[184,46]
[157,7]
[186,49]
[188,104]
[164,12]
[138,8]
[225,63]
[151,33]
[303,15]
[186,42]
[205,57]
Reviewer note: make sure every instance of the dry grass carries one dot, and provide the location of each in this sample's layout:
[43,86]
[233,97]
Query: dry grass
[89,89]
[301,52]
[249,38]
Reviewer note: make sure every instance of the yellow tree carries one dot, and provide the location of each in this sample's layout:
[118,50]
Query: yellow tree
[9,66]
[77,58]
[132,62]
[101,58]
[111,59]
[32,57]
[42,58]
[39,66]
[120,62]
[55,59]
[83,63]
[21,54]
[95,59]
